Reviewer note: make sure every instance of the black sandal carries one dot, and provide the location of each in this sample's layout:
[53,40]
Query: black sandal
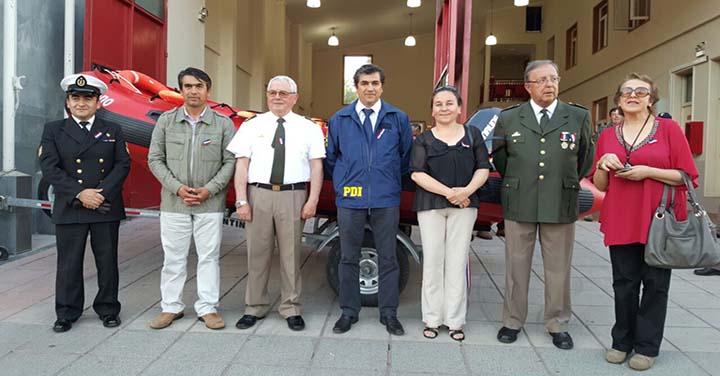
[457,335]
[430,333]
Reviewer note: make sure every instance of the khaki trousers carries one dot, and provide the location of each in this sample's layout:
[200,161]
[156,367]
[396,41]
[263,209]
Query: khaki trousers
[556,243]
[445,235]
[274,215]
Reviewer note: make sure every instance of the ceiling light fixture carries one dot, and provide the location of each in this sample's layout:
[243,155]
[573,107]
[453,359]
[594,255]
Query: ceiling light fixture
[333,40]
[410,40]
[414,3]
[313,3]
[521,3]
[491,40]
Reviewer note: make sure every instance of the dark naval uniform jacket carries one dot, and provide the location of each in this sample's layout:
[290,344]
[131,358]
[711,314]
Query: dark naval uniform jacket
[541,169]
[72,160]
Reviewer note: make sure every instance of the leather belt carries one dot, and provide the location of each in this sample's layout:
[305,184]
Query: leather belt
[284,187]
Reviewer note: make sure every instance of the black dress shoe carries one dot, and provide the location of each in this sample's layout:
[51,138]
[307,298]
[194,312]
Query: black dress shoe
[111,321]
[507,335]
[393,325]
[344,324]
[562,340]
[296,323]
[62,325]
[247,321]
[707,271]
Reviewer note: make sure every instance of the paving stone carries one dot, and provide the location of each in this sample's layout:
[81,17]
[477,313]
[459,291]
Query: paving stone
[694,339]
[208,347]
[79,340]
[426,357]
[710,362]
[274,350]
[193,367]
[140,344]
[108,366]
[254,370]
[711,316]
[23,363]
[498,361]
[356,354]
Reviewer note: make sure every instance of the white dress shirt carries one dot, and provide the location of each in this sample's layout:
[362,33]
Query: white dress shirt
[373,117]
[537,110]
[304,140]
[91,121]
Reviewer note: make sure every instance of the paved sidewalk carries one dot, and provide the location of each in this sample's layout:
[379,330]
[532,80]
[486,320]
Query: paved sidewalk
[29,347]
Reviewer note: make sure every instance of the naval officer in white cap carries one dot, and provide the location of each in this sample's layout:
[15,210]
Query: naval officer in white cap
[86,160]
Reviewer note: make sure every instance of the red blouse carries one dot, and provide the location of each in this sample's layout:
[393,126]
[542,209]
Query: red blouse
[629,205]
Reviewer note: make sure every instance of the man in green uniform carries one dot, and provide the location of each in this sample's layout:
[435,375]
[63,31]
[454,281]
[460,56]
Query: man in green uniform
[543,149]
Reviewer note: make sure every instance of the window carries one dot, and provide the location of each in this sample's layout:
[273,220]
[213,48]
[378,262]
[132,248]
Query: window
[600,26]
[571,47]
[550,53]
[155,7]
[600,113]
[686,108]
[350,65]
[630,14]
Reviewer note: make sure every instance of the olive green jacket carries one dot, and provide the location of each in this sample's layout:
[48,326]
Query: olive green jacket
[541,170]
[173,150]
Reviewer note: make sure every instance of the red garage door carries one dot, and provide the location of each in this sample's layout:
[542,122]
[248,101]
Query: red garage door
[126,34]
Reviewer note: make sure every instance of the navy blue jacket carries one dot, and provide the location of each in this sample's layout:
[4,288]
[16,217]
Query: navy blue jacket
[367,168]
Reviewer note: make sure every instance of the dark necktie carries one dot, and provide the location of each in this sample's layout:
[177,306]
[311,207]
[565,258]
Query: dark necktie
[277,173]
[544,120]
[367,124]
[84,125]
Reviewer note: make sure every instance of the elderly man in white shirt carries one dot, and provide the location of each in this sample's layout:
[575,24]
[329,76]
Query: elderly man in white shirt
[278,152]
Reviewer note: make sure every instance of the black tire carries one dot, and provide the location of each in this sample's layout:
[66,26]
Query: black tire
[4,254]
[368,269]
[45,193]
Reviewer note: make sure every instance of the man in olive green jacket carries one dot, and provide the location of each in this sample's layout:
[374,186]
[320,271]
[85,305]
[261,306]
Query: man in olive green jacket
[188,156]
[542,149]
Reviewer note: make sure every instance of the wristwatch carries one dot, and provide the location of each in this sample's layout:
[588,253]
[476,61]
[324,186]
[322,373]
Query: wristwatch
[240,203]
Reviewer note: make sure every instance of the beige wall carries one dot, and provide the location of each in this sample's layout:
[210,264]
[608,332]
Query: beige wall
[408,71]
[185,38]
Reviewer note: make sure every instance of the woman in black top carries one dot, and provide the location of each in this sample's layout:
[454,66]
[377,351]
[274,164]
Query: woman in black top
[449,163]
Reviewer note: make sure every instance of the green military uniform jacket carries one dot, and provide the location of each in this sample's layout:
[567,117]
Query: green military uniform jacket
[541,169]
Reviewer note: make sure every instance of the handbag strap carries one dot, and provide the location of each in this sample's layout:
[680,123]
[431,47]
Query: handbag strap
[667,203]
[692,195]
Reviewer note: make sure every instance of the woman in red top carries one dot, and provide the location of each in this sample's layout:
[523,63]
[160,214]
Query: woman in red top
[634,160]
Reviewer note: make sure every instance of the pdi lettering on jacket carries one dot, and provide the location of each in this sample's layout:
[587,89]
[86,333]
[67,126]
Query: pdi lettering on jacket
[352,191]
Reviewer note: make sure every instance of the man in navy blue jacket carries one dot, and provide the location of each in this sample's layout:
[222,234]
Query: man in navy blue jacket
[368,151]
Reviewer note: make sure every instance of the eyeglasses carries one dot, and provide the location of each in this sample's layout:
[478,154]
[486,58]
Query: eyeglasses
[545,81]
[640,92]
[282,94]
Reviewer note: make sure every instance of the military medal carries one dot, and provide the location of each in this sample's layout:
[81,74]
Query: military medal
[564,145]
[572,146]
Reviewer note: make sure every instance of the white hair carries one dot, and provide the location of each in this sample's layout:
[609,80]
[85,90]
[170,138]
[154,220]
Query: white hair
[290,81]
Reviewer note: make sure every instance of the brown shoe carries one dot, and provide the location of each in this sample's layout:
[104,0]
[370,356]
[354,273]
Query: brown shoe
[615,356]
[212,321]
[640,362]
[164,319]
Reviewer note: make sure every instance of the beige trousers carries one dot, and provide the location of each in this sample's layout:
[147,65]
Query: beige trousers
[445,235]
[556,243]
[274,215]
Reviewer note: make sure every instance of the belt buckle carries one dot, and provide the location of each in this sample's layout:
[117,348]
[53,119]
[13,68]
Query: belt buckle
[276,188]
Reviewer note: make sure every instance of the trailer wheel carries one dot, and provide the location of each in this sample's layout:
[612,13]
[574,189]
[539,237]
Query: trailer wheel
[45,192]
[4,254]
[369,276]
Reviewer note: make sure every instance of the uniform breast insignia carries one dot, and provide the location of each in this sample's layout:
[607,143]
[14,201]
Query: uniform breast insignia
[97,135]
[40,151]
[516,134]
[568,139]
[207,142]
